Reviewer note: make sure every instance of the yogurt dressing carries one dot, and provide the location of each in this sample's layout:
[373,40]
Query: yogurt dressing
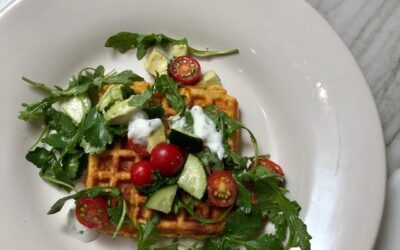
[205,128]
[78,230]
[140,127]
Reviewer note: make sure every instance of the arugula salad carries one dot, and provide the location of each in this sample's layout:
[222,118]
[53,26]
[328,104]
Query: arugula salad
[99,108]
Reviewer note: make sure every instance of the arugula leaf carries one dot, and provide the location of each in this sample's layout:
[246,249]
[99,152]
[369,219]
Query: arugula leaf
[173,246]
[124,41]
[125,77]
[243,200]
[166,85]
[274,205]
[178,204]
[243,226]
[117,214]
[140,99]
[210,159]
[147,233]
[34,111]
[266,242]
[90,192]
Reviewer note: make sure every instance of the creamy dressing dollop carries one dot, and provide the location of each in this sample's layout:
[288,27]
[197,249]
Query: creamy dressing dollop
[140,127]
[78,230]
[205,128]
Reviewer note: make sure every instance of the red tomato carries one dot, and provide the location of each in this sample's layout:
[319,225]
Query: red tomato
[139,149]
[141,173]
[166,158]
[270,165]
[92,212]
[221,188]
[185,69]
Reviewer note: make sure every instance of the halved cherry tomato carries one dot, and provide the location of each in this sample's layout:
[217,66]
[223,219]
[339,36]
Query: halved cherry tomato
[139,149]
[141,173]
[92,212]
[270,165]
[221,188]
[166,158]
[185,69]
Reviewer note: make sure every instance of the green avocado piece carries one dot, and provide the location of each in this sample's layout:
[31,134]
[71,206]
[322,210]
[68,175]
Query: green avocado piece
[209,78]
[156,62]
[179,50]
[77,107]
[120,112]
[112,95]
[155,138]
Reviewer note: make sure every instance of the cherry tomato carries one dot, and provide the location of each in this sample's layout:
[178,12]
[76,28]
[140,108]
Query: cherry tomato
[139,149]
[221,188]
[185,69]
[92,212]
[141,173]
[166,158]
[270,165]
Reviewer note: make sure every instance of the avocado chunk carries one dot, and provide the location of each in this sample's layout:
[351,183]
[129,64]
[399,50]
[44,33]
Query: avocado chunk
[77,107]
[179,50]
[156,63]
[120,112]
[112,95]
[209,78]
[155,138]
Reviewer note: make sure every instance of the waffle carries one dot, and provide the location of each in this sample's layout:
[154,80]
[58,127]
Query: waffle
[112,168]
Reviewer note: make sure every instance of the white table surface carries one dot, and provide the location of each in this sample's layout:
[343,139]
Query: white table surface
[371,29]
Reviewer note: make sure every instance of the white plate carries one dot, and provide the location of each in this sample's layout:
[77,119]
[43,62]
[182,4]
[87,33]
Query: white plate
[299,88]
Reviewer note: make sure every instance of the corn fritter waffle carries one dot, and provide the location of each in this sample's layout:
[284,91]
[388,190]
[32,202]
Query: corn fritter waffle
[112,168]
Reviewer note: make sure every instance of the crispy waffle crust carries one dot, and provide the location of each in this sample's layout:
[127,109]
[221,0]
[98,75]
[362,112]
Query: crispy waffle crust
[112,168]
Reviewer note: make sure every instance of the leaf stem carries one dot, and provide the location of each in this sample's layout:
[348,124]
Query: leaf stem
[44,132]
[121,220]
[58,182]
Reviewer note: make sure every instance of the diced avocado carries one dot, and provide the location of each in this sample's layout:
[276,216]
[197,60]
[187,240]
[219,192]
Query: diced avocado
[156,63]
[155,138]
[179,50]
[120,112]
[209,78]
[77,107]
[112,95]
[193,178]
[162,199]
[183,139]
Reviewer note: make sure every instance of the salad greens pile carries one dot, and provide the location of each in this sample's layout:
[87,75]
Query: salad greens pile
[62,148]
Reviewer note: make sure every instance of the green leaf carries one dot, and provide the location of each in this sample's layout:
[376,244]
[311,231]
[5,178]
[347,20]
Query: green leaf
[57,141]
[124,77]
[41,158]
[34,111]
[123,41]
[90,192]
[243,200]
[140,99]
[243,226]
[60,122]
[96,131]
[266,242]
[174,245]
[210,159]
[166,85]
[147,233]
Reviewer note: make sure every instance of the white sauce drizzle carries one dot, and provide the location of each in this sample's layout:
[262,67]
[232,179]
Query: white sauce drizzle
[78,230]
[205,128]
[140,127]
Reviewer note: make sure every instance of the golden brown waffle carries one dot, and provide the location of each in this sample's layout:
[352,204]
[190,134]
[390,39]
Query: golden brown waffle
[112,168]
